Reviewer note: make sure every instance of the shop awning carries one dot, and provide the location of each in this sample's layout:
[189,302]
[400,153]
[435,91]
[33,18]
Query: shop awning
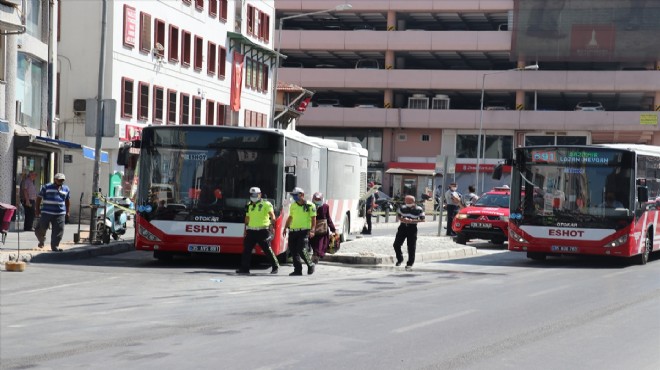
[43,143]
[409,171]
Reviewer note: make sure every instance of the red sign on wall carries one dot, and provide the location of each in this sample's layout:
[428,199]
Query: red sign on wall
[133,133]
[129,26]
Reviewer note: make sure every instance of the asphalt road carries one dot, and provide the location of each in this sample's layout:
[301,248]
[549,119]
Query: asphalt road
[496,311]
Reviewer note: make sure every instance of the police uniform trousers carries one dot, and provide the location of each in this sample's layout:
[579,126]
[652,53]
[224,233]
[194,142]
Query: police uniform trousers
[407,232]
[452,210]
[298,245]
[262,238]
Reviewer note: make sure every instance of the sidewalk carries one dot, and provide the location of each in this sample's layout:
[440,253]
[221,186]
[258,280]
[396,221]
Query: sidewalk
[364,250]
[30,252]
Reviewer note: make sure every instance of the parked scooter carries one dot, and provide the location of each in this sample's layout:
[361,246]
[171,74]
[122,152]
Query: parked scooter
[111,220]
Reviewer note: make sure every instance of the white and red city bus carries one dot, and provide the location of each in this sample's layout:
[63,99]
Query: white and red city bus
[589,200]
[193,182]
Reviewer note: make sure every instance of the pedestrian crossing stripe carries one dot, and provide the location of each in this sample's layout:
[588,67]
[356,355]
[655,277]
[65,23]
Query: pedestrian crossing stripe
[520,106]
[390,28]
[388,105]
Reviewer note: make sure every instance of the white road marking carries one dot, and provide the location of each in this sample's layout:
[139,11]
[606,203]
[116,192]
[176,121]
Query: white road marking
[434,321]
[54,287]
[542,292]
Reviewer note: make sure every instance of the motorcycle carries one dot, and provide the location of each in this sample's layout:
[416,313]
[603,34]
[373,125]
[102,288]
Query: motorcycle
[111,220]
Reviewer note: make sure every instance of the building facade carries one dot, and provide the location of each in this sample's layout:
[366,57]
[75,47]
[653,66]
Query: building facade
[168,62]
[412,80]
[27,114]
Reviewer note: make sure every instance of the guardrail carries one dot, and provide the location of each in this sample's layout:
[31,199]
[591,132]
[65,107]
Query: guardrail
[379,216]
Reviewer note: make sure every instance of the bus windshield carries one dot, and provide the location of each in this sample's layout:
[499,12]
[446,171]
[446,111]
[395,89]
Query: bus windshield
[590,187]
[207,173]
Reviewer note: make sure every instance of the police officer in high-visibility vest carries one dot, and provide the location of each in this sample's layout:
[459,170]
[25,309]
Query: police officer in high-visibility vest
[259,223]
[302,222]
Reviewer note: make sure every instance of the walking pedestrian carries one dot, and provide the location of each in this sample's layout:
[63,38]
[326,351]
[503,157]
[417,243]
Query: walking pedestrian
[324,228]
[453,199]
[302,222]
[54,197]
[259,224]
[29,200]
[370,203]
[410,214]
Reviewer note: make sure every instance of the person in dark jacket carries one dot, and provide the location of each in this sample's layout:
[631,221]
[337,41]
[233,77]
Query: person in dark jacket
[321,240]
[409,214]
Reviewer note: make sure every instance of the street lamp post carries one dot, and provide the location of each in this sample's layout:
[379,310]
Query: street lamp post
[337,8]
[532,67]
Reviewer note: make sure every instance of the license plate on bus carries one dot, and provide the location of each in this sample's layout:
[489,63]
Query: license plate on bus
[482,225]
[197,248]
[560,248]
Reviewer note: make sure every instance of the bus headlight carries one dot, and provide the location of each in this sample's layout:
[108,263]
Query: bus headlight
[461,216]
[517,237]
[147,234]
[617,242]
[504,218]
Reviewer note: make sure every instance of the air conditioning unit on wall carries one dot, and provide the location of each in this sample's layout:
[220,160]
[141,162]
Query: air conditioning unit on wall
[79,106]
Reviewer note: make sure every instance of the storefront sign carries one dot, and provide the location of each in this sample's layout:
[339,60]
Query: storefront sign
[648,119]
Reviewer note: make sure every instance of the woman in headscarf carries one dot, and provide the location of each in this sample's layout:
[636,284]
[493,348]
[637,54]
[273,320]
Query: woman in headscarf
[324,228]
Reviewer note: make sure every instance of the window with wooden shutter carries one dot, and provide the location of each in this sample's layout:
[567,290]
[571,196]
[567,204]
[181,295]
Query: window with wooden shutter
[199,45]
[145,32]
[143,101]
[210,58]
[173,52]
[185,109]
[127,86]
[159,97]
[159,37]
[210,112]
[185,47]
[221,114]
[222,61]
[197,110]
[223,10]
[171,107]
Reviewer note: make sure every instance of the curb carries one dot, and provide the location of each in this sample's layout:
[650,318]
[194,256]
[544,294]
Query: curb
[77,253]
[381,259]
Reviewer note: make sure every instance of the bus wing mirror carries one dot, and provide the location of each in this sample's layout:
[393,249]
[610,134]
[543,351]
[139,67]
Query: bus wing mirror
[497,172]
[290,182]
[642,194]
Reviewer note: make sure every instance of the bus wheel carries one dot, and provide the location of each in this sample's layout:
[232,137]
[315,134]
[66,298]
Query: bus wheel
[536,256]
[163,256]
[643,258]
[345,229]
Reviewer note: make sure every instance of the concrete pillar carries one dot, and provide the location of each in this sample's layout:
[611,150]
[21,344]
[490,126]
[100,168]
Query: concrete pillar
[388,99]
[520,100]
[391,20]
[7,139]
[389,59]
[656,101]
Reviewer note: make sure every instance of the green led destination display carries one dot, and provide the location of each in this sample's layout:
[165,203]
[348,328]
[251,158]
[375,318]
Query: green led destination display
[568,157]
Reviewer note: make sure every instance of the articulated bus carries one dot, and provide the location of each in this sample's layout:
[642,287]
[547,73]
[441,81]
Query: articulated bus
[589,200]
[192,184]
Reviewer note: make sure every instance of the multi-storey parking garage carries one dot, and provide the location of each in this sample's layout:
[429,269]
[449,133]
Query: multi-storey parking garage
[405,78]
